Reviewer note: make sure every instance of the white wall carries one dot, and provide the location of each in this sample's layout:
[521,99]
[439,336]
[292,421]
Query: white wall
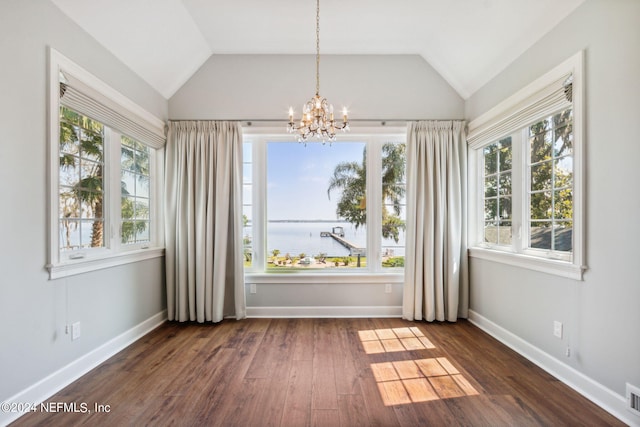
[241,87]
[33,309]
[600,314]
[264,86]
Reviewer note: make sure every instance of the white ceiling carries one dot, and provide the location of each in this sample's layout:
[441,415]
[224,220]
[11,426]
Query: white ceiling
[467,41]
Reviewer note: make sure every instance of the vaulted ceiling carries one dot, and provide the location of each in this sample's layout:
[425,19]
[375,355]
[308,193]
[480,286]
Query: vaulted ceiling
[467,41]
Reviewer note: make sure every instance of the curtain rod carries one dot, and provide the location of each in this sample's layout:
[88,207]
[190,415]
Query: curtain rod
[383,122]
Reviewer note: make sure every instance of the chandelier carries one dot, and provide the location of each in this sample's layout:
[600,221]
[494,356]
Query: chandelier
[317,114]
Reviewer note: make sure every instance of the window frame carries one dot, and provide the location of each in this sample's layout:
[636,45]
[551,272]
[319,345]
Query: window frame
[259,137]
[62,264]
[518,253]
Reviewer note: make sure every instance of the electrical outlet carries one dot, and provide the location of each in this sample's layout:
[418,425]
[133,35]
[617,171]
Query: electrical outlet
[557,329]
[387,288]
[75,331]
[252,288]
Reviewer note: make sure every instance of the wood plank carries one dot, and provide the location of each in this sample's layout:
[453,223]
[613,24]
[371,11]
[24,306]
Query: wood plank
[352,411]
[324,394]
[273,372]
[325,418]
[297,407]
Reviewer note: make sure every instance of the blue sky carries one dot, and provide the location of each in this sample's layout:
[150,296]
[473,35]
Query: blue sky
[298,177]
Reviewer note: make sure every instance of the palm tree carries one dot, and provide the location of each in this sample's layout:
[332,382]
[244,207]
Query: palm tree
[81,146]
[350,178]
[134,213]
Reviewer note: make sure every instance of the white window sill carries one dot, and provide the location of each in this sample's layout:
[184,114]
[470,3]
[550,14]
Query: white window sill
[545,265]
[304,277]
[85,265]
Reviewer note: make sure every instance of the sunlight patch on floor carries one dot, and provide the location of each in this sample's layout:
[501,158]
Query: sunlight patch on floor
[393,339]
[412,381]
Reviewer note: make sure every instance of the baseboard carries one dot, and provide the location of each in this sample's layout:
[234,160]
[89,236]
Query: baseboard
[45,388]
[589,388]
[324,312]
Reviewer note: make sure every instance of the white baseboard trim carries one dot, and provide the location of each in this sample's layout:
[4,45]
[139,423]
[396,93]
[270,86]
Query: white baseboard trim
[47,387]
[324,312]
[589,388]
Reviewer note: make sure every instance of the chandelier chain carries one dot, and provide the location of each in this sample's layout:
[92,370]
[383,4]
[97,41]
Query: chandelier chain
[318,47]
[317,114]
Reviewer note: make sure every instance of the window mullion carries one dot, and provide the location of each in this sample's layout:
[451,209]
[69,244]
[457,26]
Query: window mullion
[259,201]
[520,195]
[112,196]
[374,205]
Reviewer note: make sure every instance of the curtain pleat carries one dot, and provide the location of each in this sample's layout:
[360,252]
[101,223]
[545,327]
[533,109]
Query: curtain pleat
[203,214]
[436,284]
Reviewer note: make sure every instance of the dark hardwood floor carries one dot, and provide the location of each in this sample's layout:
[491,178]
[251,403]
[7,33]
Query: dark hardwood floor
[320,372]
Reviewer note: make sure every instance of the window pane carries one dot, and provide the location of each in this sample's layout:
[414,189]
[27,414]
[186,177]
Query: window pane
[541,234]
[91,234]
[393,235]
[69,206]
[246,152]
[141,208]
[490,159]
[551,176]
[394,216]
[134,186]
[504,204]
[541,176]
[316,206]
[491,209]
[563,141]
[505,233]
[563,204]
[247,194]
[563,240]
[558,237]
[69,170]
[541,205]
[506,154]
[142,186]
[563,170]
[143,231]
[498,160]
[128,183]
[541,146]
[505,183]
[247,207]
[491,186]
[491,232]
[247,173]
[247,237]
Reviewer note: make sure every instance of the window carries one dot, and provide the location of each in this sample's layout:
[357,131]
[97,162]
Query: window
[247,204]
[324,209]
[81,186]
[497,159]
[526,159]
[135,181]
[105,172]
[550,177]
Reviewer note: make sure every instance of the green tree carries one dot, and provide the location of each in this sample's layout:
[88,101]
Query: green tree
[551,141]
[134,159]
[551,146]
[350,179]
[81,153]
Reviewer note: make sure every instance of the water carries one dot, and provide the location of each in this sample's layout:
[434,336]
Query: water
[295,238]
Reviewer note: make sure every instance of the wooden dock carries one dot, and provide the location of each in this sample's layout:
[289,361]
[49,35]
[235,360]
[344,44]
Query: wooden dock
[353,249]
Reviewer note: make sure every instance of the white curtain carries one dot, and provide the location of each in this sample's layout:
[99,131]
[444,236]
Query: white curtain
[436,283]
[203,214]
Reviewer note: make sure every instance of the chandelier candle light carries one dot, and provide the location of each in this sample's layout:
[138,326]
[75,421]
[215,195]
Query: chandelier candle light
[317,114]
